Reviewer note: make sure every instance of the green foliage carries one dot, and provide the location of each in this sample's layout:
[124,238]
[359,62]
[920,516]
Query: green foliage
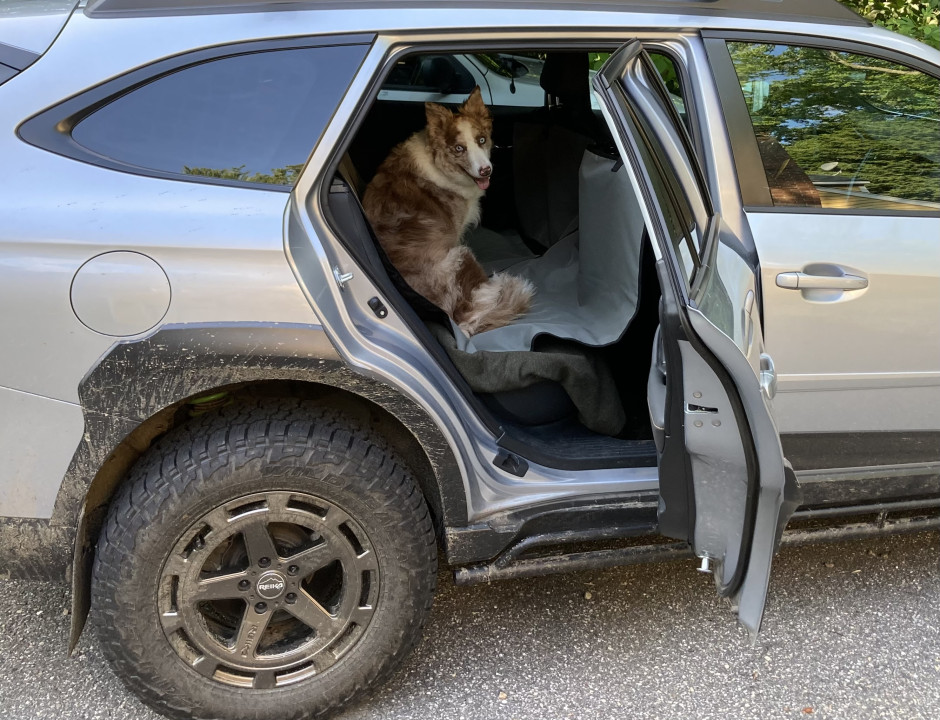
[879,121]
[919,19]
[597,59]
[279,176]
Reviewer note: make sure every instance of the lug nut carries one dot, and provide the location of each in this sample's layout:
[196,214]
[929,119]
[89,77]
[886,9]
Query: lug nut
[290,598]
[264,562]
[261,607]
[243,584]
[293,570]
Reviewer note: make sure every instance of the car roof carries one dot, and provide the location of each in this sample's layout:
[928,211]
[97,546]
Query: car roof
[818,11]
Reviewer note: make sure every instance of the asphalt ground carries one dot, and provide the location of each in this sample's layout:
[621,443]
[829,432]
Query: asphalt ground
[852,631]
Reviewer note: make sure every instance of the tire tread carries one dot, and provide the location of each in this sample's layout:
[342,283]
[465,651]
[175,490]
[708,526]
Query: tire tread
[191,455]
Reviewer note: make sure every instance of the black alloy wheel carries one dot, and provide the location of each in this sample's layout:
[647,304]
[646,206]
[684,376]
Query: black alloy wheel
[268,589]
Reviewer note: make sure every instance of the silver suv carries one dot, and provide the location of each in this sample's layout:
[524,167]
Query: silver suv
[226,417]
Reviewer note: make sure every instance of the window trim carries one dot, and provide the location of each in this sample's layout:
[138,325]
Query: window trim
[16,58]
[685,81]
[51,129]
[465,42]
[752,181]
[470,42]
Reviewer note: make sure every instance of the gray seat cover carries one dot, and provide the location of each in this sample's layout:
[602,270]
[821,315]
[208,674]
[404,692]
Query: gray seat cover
[497,251]
[587,283]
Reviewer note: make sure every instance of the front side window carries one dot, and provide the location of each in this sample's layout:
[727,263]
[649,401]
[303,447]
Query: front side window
[841,130]
[253,117]
[510,79]
[683,213]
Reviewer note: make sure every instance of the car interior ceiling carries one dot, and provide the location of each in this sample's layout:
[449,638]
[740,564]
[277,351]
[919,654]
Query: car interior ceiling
[553,195]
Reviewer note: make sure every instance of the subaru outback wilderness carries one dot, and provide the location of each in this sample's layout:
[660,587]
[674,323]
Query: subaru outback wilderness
[245,439]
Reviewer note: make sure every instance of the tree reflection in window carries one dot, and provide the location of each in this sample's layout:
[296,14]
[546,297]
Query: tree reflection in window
[278,176]
[852,124]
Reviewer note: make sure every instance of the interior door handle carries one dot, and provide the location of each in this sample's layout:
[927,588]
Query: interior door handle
[805,281]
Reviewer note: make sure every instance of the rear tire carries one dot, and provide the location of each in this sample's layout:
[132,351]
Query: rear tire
[267,562]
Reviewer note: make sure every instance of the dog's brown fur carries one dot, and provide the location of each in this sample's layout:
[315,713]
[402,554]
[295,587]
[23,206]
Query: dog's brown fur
[421,201]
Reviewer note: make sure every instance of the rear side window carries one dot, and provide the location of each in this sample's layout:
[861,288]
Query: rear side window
[14,59]
[253,117]
[841,130]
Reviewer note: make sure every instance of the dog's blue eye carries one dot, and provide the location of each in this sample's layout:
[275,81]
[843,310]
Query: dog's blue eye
[482,140]
[459,148]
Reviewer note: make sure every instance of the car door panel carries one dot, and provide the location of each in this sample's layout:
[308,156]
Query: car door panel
[726,489]
[850,270]
[860,360]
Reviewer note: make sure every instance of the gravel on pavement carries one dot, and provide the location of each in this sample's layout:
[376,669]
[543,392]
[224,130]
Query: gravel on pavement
[851,632]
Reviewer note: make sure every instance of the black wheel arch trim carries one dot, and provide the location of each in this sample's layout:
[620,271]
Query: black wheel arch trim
[137,379]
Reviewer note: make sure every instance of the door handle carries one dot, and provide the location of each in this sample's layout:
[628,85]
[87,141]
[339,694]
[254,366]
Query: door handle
[805,281]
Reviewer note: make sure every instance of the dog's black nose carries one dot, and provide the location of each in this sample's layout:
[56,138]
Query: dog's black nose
[486,171]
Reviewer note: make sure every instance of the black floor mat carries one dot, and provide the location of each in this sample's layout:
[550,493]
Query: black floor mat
[568,445]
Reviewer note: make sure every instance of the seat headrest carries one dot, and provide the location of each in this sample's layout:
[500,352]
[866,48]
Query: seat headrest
[565,76]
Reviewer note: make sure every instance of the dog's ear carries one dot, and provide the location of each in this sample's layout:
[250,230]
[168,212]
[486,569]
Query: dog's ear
[438,118]
[474,106]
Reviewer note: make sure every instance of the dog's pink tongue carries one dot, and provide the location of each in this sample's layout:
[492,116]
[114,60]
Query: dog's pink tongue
[483,183]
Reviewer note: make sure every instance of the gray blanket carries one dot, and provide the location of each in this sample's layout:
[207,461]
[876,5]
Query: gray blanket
[584,376]
[587,282]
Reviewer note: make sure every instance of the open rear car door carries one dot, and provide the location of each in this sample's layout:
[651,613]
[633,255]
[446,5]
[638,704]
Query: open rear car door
[725,486]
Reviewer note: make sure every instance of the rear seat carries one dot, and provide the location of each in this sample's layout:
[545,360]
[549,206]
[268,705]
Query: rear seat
[587,283]
[547,147]
[527,399]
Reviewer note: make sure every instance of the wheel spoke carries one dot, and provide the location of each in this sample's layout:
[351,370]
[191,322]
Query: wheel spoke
[258,542]
[218,519]
[224,587]
[277,502]
[313,615]
[171,622]
[312,559]
[336,517]
[176,565]
[250,630]
[264,680]
[205,666]
[367,561]
[362,615]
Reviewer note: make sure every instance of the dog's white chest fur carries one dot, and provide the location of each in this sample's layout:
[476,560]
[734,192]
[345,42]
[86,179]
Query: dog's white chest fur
[472,218]
[417,148]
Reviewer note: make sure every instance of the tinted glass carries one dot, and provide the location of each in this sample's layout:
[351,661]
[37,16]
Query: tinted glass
[6,73]
[252,117]
[442,74]
[678,215]
[668,72]
[838,130]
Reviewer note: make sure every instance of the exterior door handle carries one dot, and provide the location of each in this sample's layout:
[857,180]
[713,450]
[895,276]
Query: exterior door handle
[805,281]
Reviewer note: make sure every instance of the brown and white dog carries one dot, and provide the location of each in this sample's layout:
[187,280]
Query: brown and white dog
[423,199]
